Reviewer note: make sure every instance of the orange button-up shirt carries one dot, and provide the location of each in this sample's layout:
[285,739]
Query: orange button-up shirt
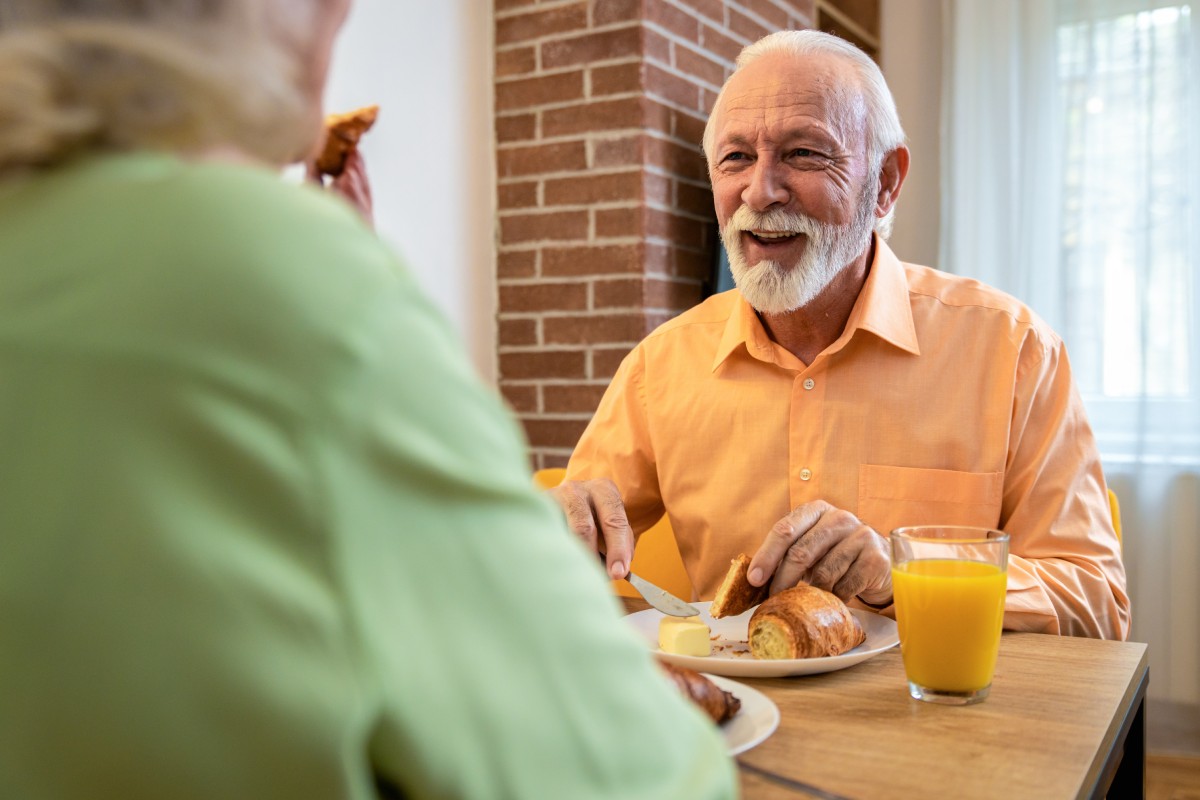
[944,401]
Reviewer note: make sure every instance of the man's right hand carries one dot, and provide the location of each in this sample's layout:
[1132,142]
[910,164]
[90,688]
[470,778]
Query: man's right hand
[596,514]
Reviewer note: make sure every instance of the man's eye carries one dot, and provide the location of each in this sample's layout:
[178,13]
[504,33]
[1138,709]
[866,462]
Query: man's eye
[734,157]
[803,152]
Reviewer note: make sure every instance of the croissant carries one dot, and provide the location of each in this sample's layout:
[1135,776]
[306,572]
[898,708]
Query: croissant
[803,622]
[342,132]
[719,704]
[736,594]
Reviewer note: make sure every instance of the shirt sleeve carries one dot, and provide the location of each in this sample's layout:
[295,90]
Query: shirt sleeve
[498,656]
[617,444]
[1065,571]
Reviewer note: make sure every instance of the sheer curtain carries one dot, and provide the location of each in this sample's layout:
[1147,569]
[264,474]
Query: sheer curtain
[1071,179]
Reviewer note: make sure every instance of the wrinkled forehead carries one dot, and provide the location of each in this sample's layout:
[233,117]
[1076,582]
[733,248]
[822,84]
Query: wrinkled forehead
[787,91]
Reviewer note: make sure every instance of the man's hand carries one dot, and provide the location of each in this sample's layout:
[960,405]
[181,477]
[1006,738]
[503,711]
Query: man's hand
[595,512]
[829,548]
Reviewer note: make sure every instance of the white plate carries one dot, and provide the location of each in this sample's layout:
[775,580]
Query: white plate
[755,721]
[731,653]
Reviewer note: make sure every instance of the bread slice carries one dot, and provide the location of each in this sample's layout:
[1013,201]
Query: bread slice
[342,132]
[736,594]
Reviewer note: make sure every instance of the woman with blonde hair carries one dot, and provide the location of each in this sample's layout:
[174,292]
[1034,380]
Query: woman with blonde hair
[264,534]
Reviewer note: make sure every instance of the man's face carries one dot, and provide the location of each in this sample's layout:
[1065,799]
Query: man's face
[795,195]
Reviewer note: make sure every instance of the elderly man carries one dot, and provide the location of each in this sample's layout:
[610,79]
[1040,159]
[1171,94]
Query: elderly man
[838,393]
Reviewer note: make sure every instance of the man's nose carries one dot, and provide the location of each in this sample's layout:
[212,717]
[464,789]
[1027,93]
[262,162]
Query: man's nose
[766,188]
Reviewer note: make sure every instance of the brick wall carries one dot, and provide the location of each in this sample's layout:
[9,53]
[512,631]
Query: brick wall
[606,227]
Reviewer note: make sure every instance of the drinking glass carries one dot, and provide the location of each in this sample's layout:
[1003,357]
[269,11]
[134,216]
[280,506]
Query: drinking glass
[949,583]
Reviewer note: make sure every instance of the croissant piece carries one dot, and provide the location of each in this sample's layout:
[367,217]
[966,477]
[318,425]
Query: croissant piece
[736,594]
[803,622]
[719,704]
[342,132]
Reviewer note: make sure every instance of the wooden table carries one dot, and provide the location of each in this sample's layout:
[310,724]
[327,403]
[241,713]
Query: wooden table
[1065,719]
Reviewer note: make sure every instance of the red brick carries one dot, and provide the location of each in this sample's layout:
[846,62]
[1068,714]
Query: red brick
[526,297]
[517,61]
[542,364]
[572,398]
[656,47]
[746,27]
[720,45]
[600,46]
[602,115]
[520,398]
[517,195]
[694,199]
[616,79]
[516,128]
[559,157]
[547,460]
[591,260]
[622,152]
[688,127]
[657,189]
[516,264]
[621,293]
[674,228]
[604,188]
[656,116]
[508,5]
[680,91]
[713,9]
[516,332]
[605,361]
[775,17]
[706,69]
[677,295]
[694,264]
[656,258]
[594,329]
[553,226]
[687,162]
[545,90]
[673,19]
[618,222]
[536,24]
[543,432]
[606,12]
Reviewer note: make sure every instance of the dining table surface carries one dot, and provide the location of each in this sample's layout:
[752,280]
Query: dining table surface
[1065,718]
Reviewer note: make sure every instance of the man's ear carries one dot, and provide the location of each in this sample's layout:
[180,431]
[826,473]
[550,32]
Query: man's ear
[892,173]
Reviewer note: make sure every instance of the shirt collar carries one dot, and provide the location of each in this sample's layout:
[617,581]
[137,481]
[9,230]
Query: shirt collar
[883,308]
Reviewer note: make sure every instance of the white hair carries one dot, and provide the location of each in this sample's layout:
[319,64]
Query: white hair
[179,75]
[884,133]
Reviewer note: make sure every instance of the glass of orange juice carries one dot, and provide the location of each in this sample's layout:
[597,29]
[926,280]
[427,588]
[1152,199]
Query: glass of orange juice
[948,582]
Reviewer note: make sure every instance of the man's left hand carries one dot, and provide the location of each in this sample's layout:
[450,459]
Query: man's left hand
[829,548]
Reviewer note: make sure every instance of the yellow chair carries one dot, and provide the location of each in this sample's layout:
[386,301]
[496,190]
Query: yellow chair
[656,557]
[1115,508]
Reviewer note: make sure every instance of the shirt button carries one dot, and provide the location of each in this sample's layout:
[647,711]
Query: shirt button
[809,383]
[805,474]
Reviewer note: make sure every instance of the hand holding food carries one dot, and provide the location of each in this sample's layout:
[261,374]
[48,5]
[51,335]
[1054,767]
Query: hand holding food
[342,134]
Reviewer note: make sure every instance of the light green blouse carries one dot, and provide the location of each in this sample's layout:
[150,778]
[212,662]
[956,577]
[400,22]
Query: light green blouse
[266,536]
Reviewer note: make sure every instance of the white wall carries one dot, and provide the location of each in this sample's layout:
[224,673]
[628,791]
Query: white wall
[430,156]
[911,57]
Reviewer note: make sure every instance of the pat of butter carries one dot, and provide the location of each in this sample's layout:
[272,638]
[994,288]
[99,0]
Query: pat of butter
[684,636]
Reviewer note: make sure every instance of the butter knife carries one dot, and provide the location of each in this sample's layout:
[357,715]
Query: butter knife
[659,598]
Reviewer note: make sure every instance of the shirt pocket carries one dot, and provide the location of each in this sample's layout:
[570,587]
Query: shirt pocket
[893,497]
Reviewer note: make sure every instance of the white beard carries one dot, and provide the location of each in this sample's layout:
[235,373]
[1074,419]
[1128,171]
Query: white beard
[774,288]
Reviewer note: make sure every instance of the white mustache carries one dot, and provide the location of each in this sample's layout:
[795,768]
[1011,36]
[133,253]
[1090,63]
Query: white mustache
[778,221]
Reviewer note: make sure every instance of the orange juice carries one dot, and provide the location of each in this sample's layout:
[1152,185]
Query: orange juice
[949,614]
